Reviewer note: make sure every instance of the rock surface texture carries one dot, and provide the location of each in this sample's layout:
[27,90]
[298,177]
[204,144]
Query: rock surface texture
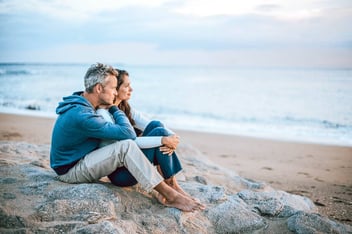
[34,201]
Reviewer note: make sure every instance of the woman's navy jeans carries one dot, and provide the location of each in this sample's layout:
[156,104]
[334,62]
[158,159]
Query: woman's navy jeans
[170,165]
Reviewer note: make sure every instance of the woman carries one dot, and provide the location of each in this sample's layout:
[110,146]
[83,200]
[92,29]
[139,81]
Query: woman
[157,142]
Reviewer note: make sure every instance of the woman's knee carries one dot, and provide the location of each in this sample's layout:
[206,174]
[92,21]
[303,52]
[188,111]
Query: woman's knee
[152,125]
[156,123]
[159,131]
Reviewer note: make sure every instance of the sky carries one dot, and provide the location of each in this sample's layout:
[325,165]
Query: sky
[248,33]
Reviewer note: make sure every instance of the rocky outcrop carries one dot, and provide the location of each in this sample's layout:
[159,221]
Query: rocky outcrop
[34,201]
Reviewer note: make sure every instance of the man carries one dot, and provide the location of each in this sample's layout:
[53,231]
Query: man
[78,130]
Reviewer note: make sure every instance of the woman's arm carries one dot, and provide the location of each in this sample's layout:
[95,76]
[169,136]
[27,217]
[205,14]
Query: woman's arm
[106,115]
[149,142]
[142,121]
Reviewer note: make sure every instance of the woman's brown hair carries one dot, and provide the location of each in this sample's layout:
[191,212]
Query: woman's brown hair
[124,105]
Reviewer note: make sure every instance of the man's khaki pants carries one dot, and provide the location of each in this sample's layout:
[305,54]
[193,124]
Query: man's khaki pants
[105,160]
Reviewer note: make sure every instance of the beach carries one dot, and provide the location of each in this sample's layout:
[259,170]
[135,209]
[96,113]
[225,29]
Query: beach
[322,173]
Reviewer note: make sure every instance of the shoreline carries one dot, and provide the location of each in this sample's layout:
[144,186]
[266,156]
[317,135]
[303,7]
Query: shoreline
[305,140]
[318,171]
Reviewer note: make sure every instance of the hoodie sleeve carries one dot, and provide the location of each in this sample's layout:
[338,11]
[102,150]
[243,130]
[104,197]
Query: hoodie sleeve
[96,126]
[122,120]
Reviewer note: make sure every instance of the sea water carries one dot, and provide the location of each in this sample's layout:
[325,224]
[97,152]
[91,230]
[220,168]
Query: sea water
[306,105]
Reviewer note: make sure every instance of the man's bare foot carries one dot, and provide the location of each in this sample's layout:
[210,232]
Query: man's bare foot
[161,199]
[184,203]
[171,198]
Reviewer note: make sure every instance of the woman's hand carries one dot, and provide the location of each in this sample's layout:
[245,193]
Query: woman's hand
[166,150]
[170,141]
[170,144]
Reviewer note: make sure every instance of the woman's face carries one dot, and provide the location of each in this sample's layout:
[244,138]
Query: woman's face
[125,90]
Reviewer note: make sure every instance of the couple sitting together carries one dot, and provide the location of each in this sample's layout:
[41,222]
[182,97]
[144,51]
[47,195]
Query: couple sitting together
[98,134]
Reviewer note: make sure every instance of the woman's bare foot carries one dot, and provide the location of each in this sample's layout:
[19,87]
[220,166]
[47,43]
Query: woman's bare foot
[172,182]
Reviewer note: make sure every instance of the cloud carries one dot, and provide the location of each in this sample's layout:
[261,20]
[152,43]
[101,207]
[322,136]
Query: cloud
[72,9]
[86,9]
[289,9]
[160,32]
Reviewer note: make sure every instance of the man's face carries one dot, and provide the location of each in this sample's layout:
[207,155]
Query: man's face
[108,94]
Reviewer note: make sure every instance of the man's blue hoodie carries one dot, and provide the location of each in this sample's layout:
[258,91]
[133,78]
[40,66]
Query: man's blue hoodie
[79,129]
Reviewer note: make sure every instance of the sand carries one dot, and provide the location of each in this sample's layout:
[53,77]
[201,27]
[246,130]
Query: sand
[321,172]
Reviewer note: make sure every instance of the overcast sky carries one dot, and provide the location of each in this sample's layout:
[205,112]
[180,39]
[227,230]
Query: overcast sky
[250,33]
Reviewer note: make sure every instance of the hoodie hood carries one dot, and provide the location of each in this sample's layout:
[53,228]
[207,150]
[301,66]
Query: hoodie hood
[72,101]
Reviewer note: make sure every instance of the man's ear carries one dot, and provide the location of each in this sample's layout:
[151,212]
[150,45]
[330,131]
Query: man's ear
[98,88]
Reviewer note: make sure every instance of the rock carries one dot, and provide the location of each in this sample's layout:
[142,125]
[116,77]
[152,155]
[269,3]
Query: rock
[276,203]
[81,202]
[307,223]
[234,216]
[34,201]
[101,228]
[33,107]
[7,220]
[200,179]
[205,193]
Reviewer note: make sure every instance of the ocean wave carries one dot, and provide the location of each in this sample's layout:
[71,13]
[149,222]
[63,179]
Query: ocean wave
[12,69]
[24,105]
[275,120]
[14,72]
[317,122]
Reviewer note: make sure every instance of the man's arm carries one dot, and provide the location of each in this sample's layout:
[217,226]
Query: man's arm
[97,127]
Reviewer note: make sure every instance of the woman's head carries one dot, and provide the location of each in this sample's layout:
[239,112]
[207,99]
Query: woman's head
[124,89]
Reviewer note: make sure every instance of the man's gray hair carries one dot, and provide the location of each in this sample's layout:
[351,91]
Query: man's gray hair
[96,74]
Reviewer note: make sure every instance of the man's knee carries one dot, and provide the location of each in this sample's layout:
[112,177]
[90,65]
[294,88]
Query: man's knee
[126,144]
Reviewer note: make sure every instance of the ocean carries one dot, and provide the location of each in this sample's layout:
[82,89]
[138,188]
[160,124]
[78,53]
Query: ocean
[304,105]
